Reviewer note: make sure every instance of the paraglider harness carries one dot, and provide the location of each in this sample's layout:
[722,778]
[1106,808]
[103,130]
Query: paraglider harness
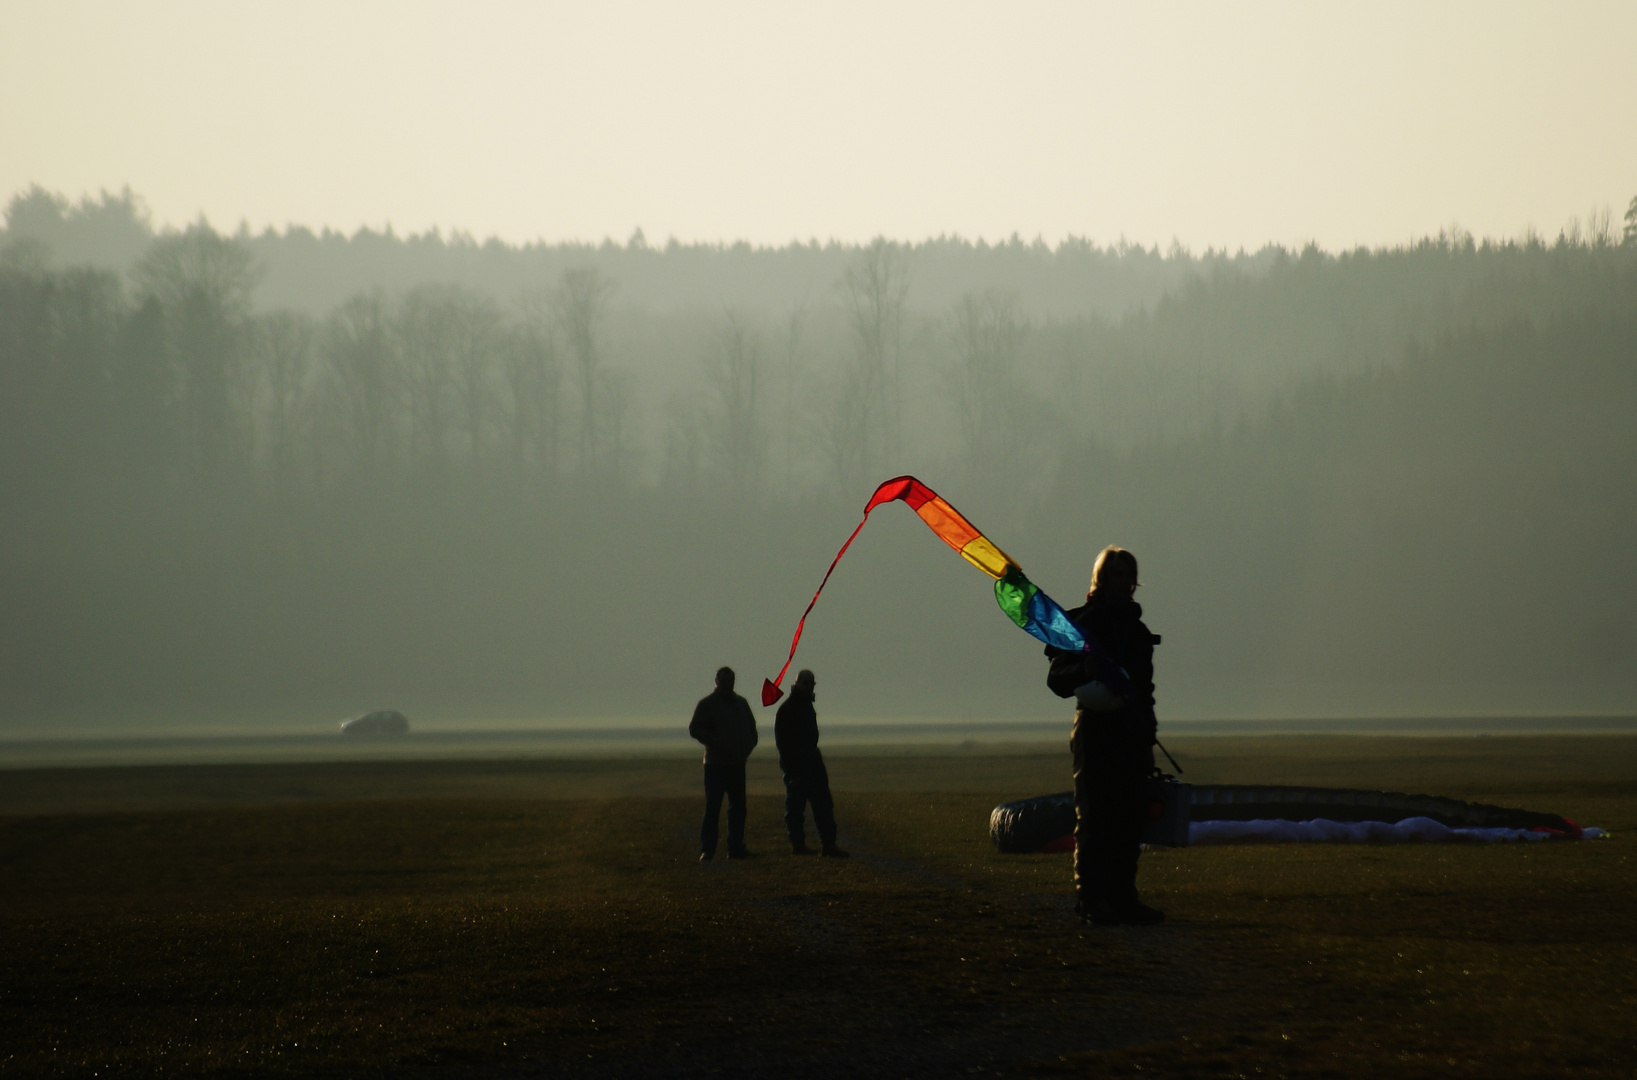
[1168,808]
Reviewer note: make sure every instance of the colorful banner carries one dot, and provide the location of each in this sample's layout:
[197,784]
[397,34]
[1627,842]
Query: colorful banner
[1019,598]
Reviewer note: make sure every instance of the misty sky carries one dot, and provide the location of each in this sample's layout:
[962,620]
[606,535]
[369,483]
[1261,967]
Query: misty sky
[1217,124]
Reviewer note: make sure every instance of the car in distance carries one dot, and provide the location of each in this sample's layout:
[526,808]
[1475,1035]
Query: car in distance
[379,722]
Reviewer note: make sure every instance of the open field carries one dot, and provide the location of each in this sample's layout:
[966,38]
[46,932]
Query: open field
[548,918]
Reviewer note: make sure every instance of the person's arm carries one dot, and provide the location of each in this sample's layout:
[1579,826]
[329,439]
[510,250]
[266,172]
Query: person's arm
[1140,665]
[750,721]
[700,727]
[1068,671]
[1142,676]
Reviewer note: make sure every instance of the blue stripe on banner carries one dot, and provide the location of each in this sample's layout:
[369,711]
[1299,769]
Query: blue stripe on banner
[1050,623]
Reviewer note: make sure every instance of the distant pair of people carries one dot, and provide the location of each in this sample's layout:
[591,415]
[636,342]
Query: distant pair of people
[724,723]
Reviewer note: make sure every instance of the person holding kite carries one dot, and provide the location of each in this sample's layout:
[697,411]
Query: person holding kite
[795,731]
[1112,742]
[1102,655]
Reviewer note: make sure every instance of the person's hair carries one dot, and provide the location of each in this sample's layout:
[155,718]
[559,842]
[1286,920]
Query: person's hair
[804,675]
[1113,558]
[724,678]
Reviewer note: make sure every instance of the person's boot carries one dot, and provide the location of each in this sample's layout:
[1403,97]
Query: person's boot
[799,847]
[706,856]
[833,852]
[1094,908]
[741,853]
[1137,913]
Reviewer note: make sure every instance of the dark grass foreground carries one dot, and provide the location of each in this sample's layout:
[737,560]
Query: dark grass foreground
[384,920]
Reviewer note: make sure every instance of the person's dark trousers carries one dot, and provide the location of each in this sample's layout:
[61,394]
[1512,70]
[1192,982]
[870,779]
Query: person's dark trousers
[1113,758]
[723,780]
[806,782]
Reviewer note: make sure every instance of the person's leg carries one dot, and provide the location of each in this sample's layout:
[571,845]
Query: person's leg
[714,790]
[1092,808]
[734,781]
[1128,816]
[795,809]
[824,807]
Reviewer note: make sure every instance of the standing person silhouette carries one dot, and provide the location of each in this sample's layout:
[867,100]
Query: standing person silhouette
[1112,745]
[724,723]
[795,731]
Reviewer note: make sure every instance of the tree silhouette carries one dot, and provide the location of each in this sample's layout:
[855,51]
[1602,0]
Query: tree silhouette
[426,326]
[477,343]
[534,378]
[992,409]
[360,355]
[874,288]
[285,349]
[145,389]
[733,369]
[582,298]
[203,281]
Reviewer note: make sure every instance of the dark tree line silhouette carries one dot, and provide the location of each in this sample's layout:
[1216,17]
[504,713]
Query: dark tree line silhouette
[1343,469]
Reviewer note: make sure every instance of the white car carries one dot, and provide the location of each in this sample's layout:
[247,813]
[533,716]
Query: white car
[379,722]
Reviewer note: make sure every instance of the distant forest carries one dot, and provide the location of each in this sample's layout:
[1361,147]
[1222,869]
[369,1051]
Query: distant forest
[278,478]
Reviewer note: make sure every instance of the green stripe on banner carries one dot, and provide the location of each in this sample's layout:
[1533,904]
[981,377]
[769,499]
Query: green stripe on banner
[1013,592]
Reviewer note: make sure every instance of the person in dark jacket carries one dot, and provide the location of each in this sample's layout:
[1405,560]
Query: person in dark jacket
[1112,744]
[795,732]
[724,723]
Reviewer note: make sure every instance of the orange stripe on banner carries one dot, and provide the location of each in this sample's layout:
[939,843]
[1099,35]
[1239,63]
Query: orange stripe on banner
[986,557]
[942,519]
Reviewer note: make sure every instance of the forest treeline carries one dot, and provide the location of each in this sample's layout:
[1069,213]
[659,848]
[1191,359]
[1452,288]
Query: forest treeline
[477,480]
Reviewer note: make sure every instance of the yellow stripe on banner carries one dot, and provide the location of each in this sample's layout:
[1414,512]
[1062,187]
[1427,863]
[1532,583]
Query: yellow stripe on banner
[986,557]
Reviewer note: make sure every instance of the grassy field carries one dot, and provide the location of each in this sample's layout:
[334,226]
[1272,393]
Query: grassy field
[549,918]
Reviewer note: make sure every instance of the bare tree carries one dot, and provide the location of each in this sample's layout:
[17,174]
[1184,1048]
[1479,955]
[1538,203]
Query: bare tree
[685,438]
[991,409]
[476,341]
[582,297]
[792,371]
[425,330]
[285,348]
[203,280]
[359,351]
[616,451]
[145,387]
[1600,226]
[843,420]
[201,262]
[874,289]
[534,379]
[733,370]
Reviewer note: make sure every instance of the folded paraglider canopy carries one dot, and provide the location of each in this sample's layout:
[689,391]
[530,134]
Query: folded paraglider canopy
[1047,821]
[379,722]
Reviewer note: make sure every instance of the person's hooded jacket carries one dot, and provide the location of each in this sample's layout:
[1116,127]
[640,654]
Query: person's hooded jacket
[795,731]
[1116,623]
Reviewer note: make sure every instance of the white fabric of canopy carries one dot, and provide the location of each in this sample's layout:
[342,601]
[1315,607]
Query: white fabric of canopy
[1322,831]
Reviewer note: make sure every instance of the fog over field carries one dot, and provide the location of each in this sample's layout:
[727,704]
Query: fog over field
[271,479]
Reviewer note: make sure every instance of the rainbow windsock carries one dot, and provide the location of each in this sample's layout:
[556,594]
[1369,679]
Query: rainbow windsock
[1019,598]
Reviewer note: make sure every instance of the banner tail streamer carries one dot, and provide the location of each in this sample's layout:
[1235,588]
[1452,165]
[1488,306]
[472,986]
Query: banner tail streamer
[1018,597]
[770,687]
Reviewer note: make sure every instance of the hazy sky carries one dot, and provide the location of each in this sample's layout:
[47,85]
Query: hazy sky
[1220,124]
